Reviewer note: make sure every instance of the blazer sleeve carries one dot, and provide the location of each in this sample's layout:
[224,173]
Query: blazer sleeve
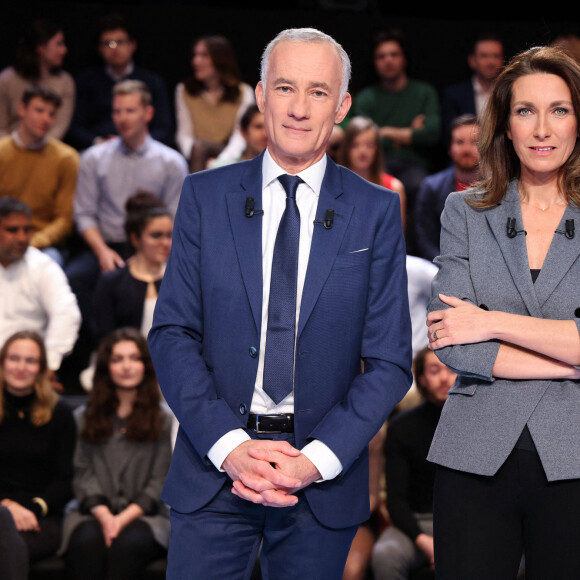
[385,348]
[176,337]
[148,496]
[454,279]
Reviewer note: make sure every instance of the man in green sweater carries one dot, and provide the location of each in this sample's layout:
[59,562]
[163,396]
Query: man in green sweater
[407,112]
[40,171]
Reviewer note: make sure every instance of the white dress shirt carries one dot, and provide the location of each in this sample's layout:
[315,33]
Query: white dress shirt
[274,204]
[35,295]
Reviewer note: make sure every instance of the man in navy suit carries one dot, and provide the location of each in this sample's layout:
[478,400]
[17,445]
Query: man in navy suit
[255,466]
[485,59]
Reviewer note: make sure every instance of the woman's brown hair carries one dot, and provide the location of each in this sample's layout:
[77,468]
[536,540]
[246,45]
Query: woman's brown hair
[355,127]
[45,397]
[144,422]
[225,62]
[499,162]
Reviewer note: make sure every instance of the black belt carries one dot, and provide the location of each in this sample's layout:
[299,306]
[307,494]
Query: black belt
[283,423]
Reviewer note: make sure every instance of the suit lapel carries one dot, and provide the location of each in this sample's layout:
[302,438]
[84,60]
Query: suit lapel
[247,233]
[562,254]
[325,243]
[514,249]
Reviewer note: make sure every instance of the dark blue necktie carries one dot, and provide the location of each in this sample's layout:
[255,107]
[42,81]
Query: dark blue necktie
[279,356]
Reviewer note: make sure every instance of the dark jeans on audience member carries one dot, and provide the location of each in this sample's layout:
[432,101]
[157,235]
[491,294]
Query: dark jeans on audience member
[18,549]
[483,524]
[88,557]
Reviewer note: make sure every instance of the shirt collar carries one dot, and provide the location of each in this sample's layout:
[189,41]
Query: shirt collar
[130,68]
[140,151]
[33,146]
[312,176]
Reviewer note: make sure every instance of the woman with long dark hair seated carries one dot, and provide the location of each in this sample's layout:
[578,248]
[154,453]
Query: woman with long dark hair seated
[210,102]
[38,60]
[119,524]
[37,437]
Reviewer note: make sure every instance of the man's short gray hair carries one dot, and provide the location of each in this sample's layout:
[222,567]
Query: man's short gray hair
[308,35]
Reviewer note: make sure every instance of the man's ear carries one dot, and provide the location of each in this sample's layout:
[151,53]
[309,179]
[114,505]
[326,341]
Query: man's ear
[260,98]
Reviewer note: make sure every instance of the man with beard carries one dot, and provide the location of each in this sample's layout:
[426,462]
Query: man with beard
[460,175]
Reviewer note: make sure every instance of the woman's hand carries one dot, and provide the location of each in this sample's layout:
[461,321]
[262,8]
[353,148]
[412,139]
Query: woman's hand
[109,523]
[463,323]
[24,519]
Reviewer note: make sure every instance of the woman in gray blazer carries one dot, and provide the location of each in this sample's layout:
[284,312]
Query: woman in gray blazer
[119,524]
[505,315]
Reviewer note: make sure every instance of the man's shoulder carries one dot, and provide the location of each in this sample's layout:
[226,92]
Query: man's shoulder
[148,76]
[167,151]
[458,88]
[100,151]
[361,189]
[62,150]
[420,86]
[435,179]
[7,143]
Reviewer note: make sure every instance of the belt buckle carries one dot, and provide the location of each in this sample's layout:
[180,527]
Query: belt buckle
[263,431]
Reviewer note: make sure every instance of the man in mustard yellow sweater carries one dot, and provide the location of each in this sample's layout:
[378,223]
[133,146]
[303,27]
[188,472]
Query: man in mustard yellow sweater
[40,171]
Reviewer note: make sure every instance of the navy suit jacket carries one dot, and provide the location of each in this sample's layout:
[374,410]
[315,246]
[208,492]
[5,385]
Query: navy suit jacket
[428,208]
[206,330]
[458,99]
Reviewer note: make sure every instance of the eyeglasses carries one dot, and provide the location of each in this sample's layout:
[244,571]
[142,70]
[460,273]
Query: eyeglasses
[114,43]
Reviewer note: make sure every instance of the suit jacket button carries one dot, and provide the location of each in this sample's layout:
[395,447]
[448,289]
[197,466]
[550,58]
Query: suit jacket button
[243,409]
[483,307]
[253,352]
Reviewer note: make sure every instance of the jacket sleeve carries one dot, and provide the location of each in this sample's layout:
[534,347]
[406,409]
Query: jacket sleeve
[454,279]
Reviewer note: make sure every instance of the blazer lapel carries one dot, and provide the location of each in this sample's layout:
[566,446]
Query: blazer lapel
[562,254]
[247,233]
[325,242]
[514,249]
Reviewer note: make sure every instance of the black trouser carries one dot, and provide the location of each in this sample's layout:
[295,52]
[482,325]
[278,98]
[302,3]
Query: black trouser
[88,557]
[17,549]
[482,525]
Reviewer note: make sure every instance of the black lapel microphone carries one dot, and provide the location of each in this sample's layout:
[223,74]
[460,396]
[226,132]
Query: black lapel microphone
[328,219]
[569,230]
[249,210]
[511,228]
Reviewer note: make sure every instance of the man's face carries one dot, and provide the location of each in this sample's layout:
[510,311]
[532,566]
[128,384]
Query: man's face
[255,135]
[463,147]
[390,62]
[131,117]
[487,59]
[436,380]
[116,48]
[15,233]
[36,119]
[300,102]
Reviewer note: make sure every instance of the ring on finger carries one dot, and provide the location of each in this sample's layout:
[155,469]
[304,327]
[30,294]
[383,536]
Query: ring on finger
[435,335]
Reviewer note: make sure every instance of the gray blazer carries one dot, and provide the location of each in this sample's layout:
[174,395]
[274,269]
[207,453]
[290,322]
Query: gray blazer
[483,416]
[139,474]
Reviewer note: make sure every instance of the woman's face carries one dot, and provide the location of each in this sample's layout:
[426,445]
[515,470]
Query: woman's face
[542,125]
[21,367]
[126,365]
[362,151]
[201,62]
[53,52]
[155,240]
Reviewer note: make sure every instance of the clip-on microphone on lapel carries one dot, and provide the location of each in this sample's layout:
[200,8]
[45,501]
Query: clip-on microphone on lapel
[328,219]
[249,210]
[569,232]
[511,228]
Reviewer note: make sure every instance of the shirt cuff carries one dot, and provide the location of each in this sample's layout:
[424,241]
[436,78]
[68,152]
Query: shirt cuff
[323,458]
[225,445]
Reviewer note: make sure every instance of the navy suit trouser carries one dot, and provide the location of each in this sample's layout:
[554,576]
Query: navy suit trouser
[224,538]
